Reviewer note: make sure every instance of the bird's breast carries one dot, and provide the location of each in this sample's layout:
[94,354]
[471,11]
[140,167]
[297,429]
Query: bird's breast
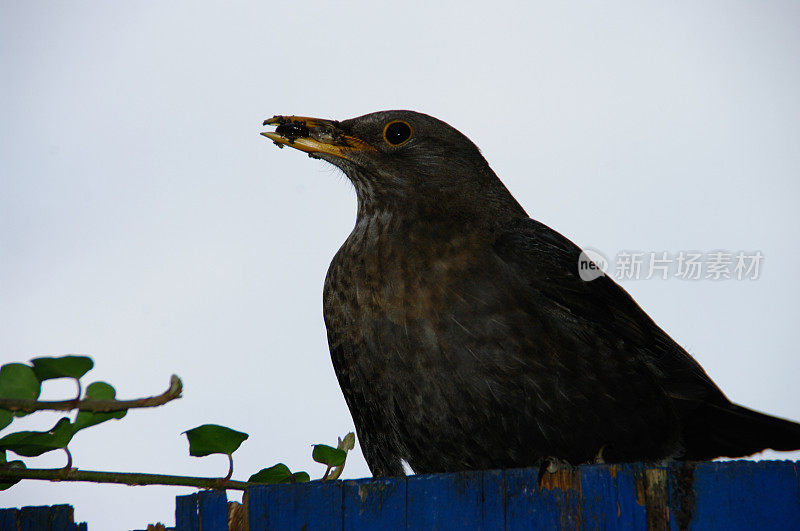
[383,273]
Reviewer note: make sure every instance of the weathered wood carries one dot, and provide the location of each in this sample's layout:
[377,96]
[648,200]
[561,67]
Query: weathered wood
[471,500]
[61,518]
[212,508]
[186,515]
[732,495]
[310,506]
[553,504]
[608,498]
[8,518]
[722,495]
[379,504]
[49,518]
[762,495]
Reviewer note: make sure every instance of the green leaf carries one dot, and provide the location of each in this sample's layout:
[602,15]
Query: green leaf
[33,443]
[98,391]
[345,445]
[18,381]
[301,477]
[5,418]
[279,473]
[213,439]
[62,367]
[328,455]
[9,465]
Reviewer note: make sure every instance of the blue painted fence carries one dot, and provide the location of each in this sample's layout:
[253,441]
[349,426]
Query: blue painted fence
[56,518]
[733,495]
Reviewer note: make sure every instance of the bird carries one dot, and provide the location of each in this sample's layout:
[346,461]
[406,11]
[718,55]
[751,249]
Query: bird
[464,337]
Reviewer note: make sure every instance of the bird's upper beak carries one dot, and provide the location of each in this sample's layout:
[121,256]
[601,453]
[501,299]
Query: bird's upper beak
[314,135]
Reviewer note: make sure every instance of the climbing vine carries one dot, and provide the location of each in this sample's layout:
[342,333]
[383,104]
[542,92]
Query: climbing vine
[20,387]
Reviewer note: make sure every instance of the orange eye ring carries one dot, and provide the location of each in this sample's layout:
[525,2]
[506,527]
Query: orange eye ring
[397,132]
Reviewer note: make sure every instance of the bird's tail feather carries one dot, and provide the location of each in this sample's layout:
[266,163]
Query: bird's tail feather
[731,430]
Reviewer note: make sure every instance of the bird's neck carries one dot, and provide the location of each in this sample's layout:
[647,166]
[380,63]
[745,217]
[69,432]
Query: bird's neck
[413,211]
[481,201]
[384,229]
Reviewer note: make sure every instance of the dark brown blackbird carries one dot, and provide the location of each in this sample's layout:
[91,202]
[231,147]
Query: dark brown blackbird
[463,336]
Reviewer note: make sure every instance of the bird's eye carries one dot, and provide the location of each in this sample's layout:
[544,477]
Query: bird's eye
[397,132]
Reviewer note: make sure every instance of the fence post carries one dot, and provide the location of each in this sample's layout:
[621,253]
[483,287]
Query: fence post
[206,510]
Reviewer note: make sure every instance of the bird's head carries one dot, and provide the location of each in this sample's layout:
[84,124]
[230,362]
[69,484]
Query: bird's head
[401,161]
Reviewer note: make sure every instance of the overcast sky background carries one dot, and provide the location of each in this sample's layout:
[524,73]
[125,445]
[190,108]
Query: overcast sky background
[144,221]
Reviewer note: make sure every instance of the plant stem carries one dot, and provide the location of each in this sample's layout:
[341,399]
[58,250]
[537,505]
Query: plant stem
[125,478]
[174,392]
[337,471]
[230,467]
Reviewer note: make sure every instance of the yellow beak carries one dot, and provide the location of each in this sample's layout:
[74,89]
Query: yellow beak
[313,135]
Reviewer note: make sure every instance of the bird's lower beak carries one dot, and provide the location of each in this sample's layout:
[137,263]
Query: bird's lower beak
[313,135]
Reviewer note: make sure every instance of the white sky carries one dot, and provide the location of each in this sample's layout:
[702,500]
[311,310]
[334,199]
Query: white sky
[144,222]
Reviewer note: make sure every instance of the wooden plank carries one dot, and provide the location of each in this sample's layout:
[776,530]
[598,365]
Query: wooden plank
[33,518]
[374,504]
[682,496]
[51,518]
[309,506]
[554,504]
[466,500]
[213,510]
[746,495]
[738,495]
[186,516]
[8,518]
[609,498]
[494,502]
[61,518]
[257,507]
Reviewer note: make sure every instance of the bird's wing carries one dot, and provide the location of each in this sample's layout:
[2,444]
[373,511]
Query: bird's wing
[548,264]
[374,434]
